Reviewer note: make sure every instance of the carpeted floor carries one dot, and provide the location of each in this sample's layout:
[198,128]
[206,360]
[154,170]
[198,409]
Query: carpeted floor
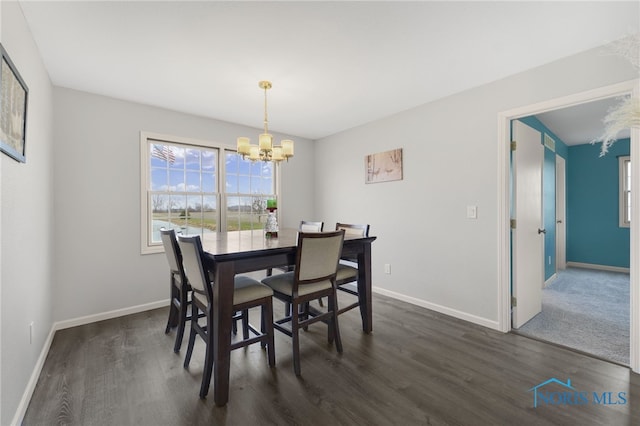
[586,310]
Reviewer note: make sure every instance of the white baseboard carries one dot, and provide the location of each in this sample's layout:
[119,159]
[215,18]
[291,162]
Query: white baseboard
[439,308]
[60,325]
[551,279]
[598,267]
[33,380]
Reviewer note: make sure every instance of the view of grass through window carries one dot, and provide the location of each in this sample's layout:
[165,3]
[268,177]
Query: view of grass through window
[188,193]
[248,185]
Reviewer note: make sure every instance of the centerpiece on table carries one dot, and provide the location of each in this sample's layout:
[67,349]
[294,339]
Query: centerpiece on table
[271,226]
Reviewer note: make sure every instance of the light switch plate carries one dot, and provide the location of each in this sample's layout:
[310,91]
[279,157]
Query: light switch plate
[472,212]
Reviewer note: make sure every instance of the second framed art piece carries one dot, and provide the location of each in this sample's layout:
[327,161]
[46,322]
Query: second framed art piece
[13,109]
[383,166]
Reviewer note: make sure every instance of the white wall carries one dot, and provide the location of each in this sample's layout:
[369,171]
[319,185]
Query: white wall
[439,258]
[99,267]
[27,222]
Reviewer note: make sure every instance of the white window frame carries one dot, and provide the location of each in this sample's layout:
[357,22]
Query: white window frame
[146,246]
[624,191]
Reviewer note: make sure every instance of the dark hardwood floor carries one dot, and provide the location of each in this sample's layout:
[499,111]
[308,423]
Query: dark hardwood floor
[418,367]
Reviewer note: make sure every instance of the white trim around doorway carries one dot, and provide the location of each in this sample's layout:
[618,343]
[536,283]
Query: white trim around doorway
[631,87]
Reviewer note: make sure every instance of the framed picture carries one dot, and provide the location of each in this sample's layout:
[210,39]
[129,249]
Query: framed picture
[383,166]
[13,109]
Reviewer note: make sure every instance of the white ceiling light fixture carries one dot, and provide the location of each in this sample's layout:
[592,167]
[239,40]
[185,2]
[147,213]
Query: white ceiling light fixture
[265,150]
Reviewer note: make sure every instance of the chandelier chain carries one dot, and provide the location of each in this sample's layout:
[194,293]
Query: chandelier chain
[266,126]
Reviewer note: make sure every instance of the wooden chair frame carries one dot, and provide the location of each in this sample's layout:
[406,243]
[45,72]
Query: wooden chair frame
[300,316]
[345,285]
[179,287]
[265,336]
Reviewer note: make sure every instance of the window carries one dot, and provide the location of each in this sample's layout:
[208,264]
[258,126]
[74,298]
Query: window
[625,191]
[248,186]
[196,187]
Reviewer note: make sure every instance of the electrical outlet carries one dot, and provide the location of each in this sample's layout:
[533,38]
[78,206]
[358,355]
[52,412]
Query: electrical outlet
[387,268]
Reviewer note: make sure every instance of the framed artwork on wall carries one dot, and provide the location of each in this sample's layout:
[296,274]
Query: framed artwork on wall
[383,166]
[13,109]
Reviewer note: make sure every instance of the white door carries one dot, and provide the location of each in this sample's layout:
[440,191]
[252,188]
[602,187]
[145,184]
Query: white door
[527,237]
[561,216]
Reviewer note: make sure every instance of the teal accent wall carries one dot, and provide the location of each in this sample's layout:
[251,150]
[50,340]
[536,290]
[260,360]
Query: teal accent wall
[549,192]
[593,233]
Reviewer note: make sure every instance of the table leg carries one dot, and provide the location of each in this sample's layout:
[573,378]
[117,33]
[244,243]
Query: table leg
[222,322]
[364,288]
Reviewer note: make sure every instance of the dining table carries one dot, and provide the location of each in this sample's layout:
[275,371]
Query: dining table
[236,252]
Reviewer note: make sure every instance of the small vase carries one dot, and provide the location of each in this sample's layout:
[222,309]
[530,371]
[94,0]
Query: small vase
[271,226]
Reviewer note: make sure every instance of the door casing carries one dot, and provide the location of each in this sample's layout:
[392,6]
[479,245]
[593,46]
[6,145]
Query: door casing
[561,214]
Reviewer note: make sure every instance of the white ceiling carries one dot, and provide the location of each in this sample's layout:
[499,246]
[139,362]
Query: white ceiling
[334,65]
[582,123]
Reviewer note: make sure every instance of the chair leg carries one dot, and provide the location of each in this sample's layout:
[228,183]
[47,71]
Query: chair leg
[330,329]
[245,324]
[333,305]
[208,360]
[181,327]
[192,335]
[263,321]
[172,313]
[267,328]
[173,309]
[184,307]
[295,338]
[304,314]
[234,325]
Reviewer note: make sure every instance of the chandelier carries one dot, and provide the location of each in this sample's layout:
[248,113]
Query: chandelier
[265,150]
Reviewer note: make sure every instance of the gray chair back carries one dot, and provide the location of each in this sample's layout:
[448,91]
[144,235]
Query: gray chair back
[354,229]
[307,226]
[171,250]
[194,270]
[317,256]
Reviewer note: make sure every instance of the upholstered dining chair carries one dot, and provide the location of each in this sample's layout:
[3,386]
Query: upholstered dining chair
[305,226]
[248,293]
[178,308]
[313,277]
[347,275]
[180,292]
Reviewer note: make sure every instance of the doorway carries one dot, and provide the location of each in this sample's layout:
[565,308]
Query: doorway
[504,118]
[585,308]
